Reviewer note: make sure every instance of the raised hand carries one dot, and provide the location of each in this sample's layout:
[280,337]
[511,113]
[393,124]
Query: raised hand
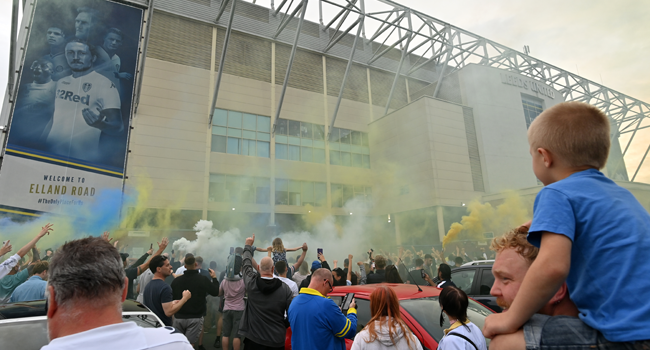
[45,230]
[6,248]
[105,236]
[187,294]
[250,240]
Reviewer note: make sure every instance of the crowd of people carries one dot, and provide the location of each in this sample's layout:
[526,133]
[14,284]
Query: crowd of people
[552,276]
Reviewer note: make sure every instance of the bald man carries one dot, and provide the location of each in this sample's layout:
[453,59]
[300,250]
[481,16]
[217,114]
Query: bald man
[263,324]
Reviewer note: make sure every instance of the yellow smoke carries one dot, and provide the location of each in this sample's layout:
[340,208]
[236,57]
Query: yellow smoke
[484,217]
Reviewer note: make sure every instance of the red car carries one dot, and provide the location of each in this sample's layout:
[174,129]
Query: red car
[420,311]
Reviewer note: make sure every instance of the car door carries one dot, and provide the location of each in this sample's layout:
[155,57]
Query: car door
[463,278]
[481,293]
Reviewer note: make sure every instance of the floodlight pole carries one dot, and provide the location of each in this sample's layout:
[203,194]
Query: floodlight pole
[345,76]
[291,57]
[222,60]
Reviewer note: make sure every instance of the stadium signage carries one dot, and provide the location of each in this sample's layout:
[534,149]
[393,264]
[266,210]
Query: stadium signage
[527,84]
[73,109]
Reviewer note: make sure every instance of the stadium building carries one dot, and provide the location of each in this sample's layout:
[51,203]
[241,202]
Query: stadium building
[392,114]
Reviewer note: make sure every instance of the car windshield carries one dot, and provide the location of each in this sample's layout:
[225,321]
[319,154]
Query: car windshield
[426,312]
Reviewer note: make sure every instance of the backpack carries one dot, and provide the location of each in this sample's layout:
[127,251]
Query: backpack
[233,266]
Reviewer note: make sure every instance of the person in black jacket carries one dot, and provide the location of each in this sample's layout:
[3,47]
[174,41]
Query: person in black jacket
[444,274]
[189,319]
[379,276]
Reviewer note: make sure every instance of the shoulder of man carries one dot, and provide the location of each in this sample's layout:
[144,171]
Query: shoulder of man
[165,338]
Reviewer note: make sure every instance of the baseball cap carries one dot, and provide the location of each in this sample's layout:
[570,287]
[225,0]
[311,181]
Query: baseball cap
[124,256]
[316,265]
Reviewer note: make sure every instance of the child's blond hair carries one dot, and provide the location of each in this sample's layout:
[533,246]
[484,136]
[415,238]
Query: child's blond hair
[277,245]
[576,132]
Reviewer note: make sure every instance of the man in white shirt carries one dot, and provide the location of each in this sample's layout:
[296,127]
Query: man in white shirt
[87,104]
[86,289]
[282,271]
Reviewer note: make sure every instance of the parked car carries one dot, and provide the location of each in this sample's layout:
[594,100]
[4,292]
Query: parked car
[420,310]
[24,325]
[478,262]
[476,281]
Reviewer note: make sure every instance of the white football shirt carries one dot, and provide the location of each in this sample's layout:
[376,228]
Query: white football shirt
[71,135]
[123,336]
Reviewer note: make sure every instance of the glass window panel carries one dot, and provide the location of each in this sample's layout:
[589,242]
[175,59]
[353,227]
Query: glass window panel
[219,130]
[356,138]
[281,151]
[250,121]
[248,148]
[319,144]
[319,156]
[264,123]
[218,144]
[307,193]
[262,136]
[234,132]
[355,149]
[263,190]
[294,153]
[345,135]
[294,193]
[335,146]
[306,142]
[335,158]
[233,145]
[248,134]
[320,194]
[244,147]
[281,194]
[263,149]
[319,132]
[280,139]
[365,150]
[294,128]
[337,193]
[346,193]
[220,117]
[234,119]
[232,189]
[217,190]
[364,139]
[305,130]
[294,140]
[346,159]
[356,160]
[281,127]
[365,161]
[306,154]
[247,190]
[335,137]
[345,147]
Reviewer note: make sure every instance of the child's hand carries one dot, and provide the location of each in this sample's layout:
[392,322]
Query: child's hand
[496,324]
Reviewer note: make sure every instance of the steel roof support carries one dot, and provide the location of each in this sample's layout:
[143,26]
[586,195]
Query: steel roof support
[303,7]
[640,164]
[336,39]
[286,20]
[226,40]
[345,76]
[222,8]
[398,73]
[143,57]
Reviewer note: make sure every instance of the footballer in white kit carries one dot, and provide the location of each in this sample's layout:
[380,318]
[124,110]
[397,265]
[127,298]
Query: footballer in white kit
[87,104]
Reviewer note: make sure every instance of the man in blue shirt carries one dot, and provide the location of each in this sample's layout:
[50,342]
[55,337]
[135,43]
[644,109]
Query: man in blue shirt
[34,287]
[316,321]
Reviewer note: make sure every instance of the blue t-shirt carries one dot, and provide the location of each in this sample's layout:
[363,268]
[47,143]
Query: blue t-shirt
[609,280]
[156,293]
[318,323]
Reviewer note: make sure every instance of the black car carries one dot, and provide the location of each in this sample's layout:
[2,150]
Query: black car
[476,281]
[24,325]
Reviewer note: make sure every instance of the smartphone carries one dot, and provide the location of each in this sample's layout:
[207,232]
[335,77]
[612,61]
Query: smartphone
[232,250]
[423,274]
[345,303]
[372,266]
[151,246]
[319,250]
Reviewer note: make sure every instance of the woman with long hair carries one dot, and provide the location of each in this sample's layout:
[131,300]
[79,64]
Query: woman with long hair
[386,329]
[462,334]
[392,275]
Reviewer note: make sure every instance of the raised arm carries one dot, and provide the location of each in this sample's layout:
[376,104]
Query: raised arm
[161,248]
[248,271]
[301,259]
[172,307]
[45,230]
[362,271]
[349,278]
[293,249]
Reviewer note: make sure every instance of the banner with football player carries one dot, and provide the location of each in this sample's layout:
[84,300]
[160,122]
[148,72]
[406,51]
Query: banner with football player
[70,124]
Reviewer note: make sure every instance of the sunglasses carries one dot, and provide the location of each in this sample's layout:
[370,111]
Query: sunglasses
[328,282]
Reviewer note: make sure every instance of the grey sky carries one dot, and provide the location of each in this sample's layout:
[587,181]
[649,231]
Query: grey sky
[604,41]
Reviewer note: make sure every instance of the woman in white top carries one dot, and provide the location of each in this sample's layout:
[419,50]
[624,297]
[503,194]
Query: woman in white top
[386,329]
[463,334]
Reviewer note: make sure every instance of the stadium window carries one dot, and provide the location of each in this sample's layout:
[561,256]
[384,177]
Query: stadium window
[349,148]
[300,193]
[341,194]
[241,133]
[532,108]
[239,189]
[300,141]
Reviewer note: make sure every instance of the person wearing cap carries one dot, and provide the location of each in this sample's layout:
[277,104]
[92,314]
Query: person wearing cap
[317,264]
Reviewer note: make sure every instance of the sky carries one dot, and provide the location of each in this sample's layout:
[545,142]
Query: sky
[604,41]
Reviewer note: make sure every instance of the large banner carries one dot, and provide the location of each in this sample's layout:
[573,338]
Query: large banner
[68,135]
